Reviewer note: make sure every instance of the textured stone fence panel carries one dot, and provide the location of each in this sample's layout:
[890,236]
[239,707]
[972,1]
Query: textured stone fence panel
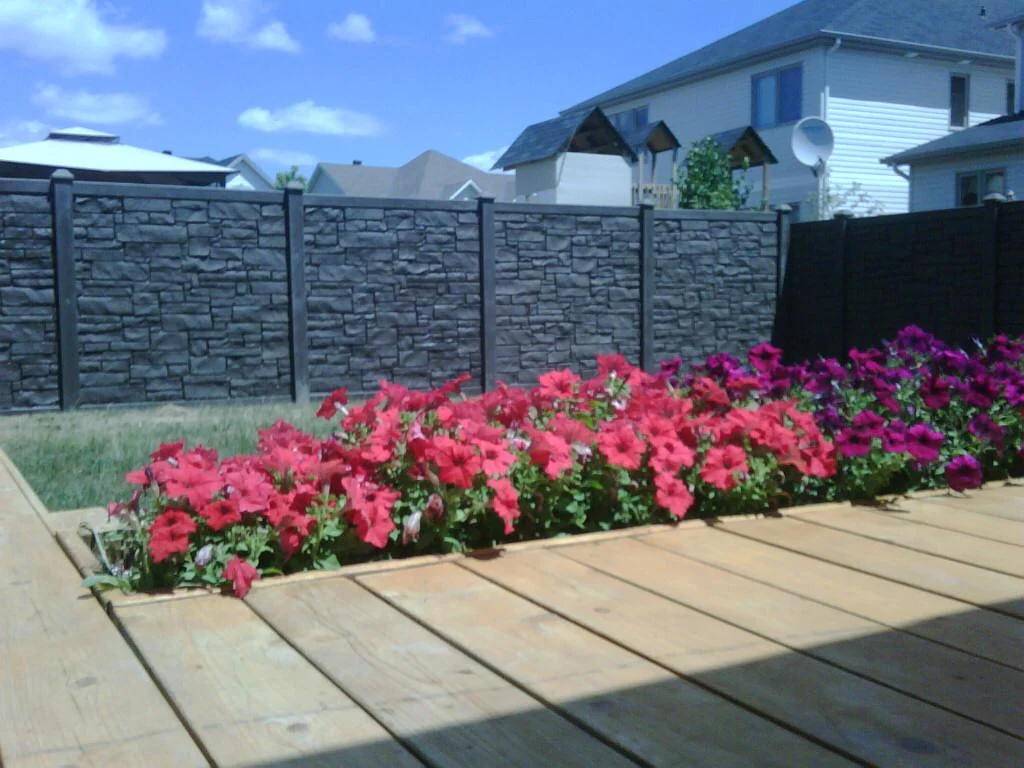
[127,293]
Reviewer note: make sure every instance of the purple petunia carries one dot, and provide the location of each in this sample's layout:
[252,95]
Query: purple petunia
[936,392]
[985,428]
[852,442]
[979,391]
[895,438]
[764,357]
[963,473]
[923,443]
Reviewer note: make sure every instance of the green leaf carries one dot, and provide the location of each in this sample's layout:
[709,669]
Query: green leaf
[329,563]
[105,581]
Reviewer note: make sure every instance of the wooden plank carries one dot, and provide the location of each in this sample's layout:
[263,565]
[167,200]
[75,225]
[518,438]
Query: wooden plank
[978,586]
[1000,502]
[628,699]
[976,688]
[71,690]
[984,526]
[873,722]
[983,633]
[441,703]
[983,553]
[248,696]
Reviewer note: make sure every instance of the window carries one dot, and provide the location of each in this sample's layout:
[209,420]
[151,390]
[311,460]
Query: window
[777,97]
[959,100]
[1011,97]
[629,120]
[973,187]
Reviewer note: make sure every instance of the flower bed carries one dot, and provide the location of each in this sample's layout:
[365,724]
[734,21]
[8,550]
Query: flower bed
[412,473]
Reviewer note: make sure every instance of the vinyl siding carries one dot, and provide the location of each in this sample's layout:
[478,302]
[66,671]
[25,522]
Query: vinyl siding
[723,102]
[880,104]
[933,185]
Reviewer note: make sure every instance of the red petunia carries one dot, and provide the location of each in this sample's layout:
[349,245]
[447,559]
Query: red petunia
[369,506]
[220,514]
[241,574]
[250,488]
[195,484]
[708,393]
[670,455]
[505,502]
[168,451]
[621,447]
[332,404]
[724,466]
[495,458]
[293,529]
[169,534]
[457,464]
[672,495]
[559,385]
[551,453]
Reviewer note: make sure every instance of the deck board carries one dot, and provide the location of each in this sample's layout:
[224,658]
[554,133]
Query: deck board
[449,708]
[978,586]
[628,699]
[248,696]
[867,720]
[71,692]
[957,681]
[925,512]
[954,545]
[1007,503]
[986,634]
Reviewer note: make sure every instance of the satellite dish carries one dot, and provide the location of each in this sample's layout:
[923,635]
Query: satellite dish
[813,142]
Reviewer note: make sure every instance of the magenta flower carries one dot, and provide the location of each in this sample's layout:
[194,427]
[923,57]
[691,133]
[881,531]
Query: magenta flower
[979,391]
[985,428]
[895,438]
[869,424]
[764,357]
[853,442]
[964,472]
[935,392]
[923,443]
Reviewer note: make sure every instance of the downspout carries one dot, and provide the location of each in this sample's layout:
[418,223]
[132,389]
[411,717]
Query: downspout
[901,173]
[822,178]
[1017,32]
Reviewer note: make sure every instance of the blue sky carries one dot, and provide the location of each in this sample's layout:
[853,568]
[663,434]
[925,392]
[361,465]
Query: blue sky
[296,81]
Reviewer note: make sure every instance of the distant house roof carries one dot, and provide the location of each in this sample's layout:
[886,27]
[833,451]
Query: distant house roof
[938,25]
[656,137]
[431,175]
[1002,133]
[233,161]
[744,142]
[589,131]
[97,156]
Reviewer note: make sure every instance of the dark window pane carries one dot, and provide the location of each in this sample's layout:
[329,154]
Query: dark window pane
[764,101]
[640,117]
[1011,98]
[958,101]
[790,95]
[967,194]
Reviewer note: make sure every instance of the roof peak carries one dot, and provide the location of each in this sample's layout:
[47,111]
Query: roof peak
[78,133]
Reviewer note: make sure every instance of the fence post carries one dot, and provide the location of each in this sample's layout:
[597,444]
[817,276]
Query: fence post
[843,218]
[783,222]
[488,294]
[295,257]
[62,201]
[647,264]
[990,266]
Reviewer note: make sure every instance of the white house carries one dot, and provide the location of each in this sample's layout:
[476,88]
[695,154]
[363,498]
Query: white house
[962,168]
[246,174]
[887,75]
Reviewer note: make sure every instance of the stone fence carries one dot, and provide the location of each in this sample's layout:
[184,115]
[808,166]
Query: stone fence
[131,293]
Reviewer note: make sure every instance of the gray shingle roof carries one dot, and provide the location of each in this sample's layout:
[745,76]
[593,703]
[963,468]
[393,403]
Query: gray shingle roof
[553,137]
[1007,131]
[655,136]
[728,140]
[937,24]
[430,175]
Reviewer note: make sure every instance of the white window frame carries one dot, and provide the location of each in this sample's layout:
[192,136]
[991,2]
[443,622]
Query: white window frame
[980,175]
[775,74]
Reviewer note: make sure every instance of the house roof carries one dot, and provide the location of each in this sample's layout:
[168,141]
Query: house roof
[233,161]
[744,142]
[1005,132]
[589,131]
[655,136]
[939,25]
[431,175]
[97,153]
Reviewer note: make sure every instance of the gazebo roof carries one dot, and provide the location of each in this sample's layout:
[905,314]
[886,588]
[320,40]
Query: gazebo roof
[96,155]
[588,131]
[744,142]
[657,137]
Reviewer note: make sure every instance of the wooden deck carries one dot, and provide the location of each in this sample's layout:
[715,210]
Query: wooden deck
[832,636]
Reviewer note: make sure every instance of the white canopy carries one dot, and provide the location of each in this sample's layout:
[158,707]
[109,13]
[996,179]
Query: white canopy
[83,149]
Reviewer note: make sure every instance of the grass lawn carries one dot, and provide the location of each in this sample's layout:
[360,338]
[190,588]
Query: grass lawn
[78,459]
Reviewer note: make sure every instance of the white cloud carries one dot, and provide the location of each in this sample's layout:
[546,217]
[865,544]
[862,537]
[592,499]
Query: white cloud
[354,28]
[74,34]
[464,28]
[310,117]
[485,160]
[95,108]
[244,22]
[285,158]
[21,132]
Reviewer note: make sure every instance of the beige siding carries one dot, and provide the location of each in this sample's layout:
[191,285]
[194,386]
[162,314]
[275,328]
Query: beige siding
[881,104]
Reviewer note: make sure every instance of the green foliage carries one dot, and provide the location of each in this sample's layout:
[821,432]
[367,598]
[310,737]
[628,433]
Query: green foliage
[292,174]
[706,182]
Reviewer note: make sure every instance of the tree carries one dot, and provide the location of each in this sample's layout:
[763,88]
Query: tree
[283,177]
[706,181]
[853,199]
